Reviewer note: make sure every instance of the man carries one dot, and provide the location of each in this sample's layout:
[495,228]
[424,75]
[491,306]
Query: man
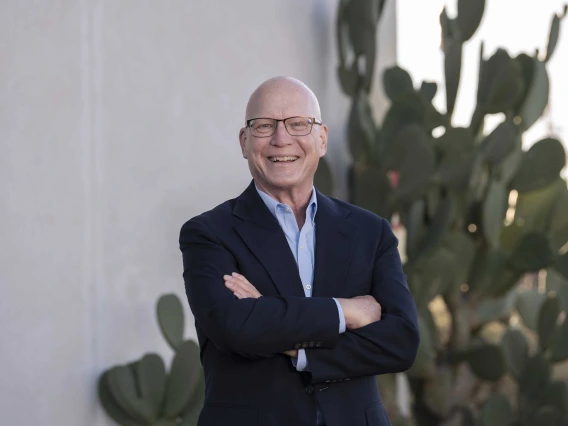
[299,299]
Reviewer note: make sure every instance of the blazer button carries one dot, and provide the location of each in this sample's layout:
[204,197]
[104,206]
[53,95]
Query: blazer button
[309,389]
[312,344]
[297,346]
[318,344]
[305,345]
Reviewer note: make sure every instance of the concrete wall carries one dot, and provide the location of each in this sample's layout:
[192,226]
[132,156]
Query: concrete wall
[118,122]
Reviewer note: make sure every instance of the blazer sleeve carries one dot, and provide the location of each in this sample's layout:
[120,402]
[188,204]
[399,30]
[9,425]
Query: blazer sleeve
[267,325]
[386,346]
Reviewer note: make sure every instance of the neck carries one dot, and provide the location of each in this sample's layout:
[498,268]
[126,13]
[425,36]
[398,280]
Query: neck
[296,198]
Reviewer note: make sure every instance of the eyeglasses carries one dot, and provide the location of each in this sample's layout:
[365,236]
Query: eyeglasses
[295,126]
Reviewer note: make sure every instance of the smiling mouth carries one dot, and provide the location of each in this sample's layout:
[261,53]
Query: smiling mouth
[288,159]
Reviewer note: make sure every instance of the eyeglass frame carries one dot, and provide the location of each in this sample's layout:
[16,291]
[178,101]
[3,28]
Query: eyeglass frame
[314,121]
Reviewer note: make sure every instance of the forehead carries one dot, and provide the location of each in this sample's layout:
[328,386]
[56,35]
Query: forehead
[282,101]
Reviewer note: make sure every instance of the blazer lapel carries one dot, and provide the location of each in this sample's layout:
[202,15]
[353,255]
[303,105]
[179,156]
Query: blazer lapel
[335,244]
[262,234]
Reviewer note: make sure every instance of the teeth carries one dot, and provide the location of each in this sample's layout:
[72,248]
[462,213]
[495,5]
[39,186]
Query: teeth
[282,159]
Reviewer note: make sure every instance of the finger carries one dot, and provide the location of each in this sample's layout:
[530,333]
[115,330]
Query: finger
[249,287]
[240,283]
[246,295]
[240,295]
[231,285]
[230,278]
[242,279]
[239,292]
[234,284]
[236,278]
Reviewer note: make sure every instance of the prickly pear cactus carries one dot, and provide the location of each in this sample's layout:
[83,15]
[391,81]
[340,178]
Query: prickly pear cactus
[483,220]
[525,355]
[143,393]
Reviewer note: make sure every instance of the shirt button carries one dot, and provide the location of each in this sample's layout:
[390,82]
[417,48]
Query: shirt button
[309,287]
[302,247]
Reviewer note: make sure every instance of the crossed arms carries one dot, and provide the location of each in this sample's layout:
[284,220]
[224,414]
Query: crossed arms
[271,325]
[358,311]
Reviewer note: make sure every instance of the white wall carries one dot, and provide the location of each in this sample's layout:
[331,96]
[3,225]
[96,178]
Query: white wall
[516,25]
[118,122]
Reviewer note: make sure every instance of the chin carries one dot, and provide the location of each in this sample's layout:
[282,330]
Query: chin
[280,181]
[283,183]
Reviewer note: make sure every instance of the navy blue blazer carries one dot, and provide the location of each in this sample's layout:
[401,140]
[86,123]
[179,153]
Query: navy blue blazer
[249,381]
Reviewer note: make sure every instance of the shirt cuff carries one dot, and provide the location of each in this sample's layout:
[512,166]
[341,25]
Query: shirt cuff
[301,364]
[341,317]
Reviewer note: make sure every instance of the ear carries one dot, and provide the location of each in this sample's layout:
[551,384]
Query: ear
[322,141]
[243,140]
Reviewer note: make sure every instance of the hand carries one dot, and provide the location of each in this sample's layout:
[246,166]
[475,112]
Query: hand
[240,286]
[360,311]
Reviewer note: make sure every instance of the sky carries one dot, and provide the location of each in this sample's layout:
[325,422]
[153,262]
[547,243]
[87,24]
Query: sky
[515,25]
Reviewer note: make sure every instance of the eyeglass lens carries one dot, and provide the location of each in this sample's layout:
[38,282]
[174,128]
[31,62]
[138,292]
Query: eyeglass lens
[296,126]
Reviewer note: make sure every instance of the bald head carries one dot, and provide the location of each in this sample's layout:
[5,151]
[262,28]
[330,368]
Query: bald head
[282,97]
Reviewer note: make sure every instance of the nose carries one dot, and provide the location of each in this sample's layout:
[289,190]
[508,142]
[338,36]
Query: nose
[281,137]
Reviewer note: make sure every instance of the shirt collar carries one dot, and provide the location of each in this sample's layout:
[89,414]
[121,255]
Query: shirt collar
[273,205]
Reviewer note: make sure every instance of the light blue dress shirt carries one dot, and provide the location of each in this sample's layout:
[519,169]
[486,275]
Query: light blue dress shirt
[302,243]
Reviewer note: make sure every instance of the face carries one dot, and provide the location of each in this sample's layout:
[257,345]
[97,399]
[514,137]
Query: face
[280,100]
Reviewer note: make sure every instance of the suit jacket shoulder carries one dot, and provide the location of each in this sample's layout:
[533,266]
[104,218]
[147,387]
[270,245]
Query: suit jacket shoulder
[363,219]
[213,218]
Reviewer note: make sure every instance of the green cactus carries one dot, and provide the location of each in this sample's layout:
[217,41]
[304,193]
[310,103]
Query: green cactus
[516,351]
[143,393]
[169,312]
[480,213]
[497,411]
